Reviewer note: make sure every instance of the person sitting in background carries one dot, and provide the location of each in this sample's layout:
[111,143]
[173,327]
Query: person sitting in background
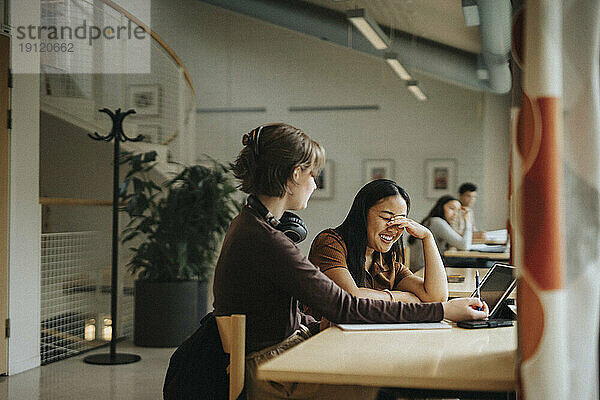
[263,274]
[467,195]
[365,254]
[439,221]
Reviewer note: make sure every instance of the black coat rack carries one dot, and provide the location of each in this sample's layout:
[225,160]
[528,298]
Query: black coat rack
[119,136]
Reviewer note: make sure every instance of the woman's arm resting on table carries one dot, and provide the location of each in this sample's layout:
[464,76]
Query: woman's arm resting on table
[455,310]
[443,230]
[341,276]
[406,296]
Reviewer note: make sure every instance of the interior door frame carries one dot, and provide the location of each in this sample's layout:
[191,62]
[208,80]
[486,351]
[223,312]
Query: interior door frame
[4,195]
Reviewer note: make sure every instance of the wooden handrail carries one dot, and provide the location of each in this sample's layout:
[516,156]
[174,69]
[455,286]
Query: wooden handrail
[63,201]
[155,37]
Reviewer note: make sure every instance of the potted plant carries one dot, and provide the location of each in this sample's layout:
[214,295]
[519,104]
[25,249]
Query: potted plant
[178,229]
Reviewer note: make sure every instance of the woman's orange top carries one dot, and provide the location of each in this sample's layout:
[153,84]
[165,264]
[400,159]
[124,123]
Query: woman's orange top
[329,250]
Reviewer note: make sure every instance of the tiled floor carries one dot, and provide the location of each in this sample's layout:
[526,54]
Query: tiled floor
[73,379]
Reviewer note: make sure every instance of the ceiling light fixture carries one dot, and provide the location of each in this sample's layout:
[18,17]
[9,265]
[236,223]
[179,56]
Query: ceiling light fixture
[369,28]
[414,88]
[392,60]
[471,12]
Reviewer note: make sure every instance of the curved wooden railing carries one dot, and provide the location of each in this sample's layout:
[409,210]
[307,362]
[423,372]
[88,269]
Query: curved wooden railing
[64,201]
[172,126]
[155,36]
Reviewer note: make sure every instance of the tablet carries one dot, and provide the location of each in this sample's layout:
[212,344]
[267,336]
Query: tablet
[484,323]
[496,286]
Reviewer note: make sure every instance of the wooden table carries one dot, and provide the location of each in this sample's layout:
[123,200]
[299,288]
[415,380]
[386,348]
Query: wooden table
[439,359]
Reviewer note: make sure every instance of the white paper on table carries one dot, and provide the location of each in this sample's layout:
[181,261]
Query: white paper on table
[500,235]
[395,327]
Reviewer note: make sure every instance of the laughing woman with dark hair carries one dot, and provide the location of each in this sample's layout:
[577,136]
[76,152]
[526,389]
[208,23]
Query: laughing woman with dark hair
[263,274]
[365,255]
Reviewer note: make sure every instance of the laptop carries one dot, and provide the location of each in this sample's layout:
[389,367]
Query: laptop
[495,287]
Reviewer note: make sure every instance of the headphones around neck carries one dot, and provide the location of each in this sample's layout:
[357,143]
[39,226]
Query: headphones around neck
[290,224]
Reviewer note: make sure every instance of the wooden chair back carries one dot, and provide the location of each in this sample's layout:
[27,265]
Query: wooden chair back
[232,330]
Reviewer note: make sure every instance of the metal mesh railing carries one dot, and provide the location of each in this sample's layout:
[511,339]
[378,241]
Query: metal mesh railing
[75,295]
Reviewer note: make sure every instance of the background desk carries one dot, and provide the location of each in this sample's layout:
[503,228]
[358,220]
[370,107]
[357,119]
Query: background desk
[440,359]
[461,266]
[477,254]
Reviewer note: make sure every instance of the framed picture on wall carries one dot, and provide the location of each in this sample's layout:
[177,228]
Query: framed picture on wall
[378,169]
[144,99]
[440,177]
[324,182]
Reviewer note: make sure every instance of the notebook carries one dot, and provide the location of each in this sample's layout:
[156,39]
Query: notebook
[500,235]
[488,248]
[395,327]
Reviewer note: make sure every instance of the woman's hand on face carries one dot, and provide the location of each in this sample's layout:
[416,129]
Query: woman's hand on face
[412,227]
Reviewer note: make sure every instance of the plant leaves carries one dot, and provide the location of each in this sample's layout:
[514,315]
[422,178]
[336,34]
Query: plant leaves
[181,227]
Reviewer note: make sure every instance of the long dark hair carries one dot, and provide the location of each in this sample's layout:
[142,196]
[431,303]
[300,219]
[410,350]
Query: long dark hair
[436,211]
[354,228]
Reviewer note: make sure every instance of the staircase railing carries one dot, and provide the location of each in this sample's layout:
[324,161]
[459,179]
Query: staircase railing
[164,98]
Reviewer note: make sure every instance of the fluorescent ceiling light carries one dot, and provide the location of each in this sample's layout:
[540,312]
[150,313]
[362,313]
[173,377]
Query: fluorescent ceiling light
[471,12]
[369,28]
[392,60]
[414,88]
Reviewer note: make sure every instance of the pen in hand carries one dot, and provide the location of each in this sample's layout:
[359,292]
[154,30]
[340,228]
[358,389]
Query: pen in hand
[477,289]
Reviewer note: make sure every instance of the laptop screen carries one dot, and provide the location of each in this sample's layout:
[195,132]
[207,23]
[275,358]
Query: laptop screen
[496,286]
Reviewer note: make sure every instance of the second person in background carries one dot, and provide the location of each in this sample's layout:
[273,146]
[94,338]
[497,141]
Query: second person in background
[467,196]
[364,255]
[439,220]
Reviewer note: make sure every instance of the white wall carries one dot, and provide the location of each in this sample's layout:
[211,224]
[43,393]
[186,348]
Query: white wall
[240,62]
[74,166]
[496,142]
